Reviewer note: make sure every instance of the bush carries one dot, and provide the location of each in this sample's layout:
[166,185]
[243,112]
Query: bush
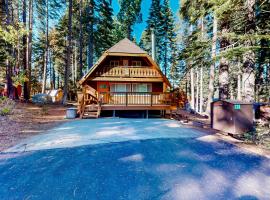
[6,106]
[260,137]
[5,111]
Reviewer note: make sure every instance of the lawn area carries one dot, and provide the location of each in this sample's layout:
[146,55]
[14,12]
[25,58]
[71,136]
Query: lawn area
[130,159]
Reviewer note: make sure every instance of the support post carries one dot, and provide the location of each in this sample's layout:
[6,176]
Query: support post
[126,99]
[113,113]
[147,114]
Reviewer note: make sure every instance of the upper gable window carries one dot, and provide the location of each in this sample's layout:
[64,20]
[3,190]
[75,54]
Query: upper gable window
[136,63]
[114,63]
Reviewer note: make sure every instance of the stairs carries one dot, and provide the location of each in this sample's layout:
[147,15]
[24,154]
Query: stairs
[91,111]
[89,106]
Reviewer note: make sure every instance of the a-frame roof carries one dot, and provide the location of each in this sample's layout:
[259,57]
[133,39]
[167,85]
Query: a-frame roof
[126,46]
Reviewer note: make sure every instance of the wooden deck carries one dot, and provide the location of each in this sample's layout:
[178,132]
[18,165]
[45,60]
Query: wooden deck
[92,103]
[137,107]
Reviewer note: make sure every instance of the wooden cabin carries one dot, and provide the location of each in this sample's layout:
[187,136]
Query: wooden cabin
[124,78]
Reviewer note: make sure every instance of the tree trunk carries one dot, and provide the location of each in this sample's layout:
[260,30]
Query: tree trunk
[239,85]
[91,35]
[224,79]
[29,45]
[8,66]
[224,66]
[192,98]
[201,90]
[249,57]
[25,55]
[165,59]
[201,73]
[197,91]
[69,49]
[46,49]
[80,43]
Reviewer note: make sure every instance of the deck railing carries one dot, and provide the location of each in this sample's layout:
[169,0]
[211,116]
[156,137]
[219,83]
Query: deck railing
[128,72]
[136,98]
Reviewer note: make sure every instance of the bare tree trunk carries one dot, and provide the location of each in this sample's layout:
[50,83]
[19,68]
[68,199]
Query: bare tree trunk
[239,85]
[80,42]
[201,90]
[197,91]
[201,73]
[8,66]
[75,64]
[165,58]
[69,51]
[249,57]
[192,98]
[29,45]
[224,67]
[212,67]
[91,35]
[224,79]
[46,50]
[25,55]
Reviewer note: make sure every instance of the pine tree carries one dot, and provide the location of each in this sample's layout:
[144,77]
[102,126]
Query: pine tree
[129,14]
[104,27]
[153,24]
[168,38]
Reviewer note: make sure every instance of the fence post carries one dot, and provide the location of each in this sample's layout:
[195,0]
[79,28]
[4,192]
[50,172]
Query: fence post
[151,99]
[126,99]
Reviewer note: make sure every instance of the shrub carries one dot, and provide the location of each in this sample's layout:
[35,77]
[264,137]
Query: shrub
[5,111]
[6,106]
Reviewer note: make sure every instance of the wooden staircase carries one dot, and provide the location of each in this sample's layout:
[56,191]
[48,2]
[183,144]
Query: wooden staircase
[89,106]
[91,111]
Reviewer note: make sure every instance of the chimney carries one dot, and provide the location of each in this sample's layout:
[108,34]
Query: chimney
[153,45]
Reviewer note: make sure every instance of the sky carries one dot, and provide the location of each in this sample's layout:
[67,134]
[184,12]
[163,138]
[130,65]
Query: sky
[138,28]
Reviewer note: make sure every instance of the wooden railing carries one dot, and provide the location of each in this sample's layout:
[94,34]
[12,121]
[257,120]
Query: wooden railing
[136,98]
[128,72]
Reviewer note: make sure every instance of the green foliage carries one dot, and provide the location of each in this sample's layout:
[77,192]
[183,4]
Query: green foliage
[104,27]
[129,14]
[6,106]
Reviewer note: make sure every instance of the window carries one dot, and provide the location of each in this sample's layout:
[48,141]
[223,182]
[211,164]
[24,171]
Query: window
[114,63]
[136,63]
[103,86]
[120,87]
[142,87]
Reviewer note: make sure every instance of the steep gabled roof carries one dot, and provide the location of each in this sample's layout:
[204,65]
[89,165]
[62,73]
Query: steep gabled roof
[126,46]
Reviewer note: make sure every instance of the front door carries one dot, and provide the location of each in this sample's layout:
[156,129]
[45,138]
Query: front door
[125,63]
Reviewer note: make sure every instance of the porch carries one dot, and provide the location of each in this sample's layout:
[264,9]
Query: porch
[93,101]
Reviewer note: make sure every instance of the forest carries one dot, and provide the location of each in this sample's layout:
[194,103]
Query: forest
[210,49]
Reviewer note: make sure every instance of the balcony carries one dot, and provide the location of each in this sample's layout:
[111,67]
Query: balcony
[136,98]
[130,72]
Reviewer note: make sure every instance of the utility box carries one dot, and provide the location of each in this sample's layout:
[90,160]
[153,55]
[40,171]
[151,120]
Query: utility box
[232,117]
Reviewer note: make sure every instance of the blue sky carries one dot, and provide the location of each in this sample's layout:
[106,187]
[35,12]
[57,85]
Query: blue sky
[138,28]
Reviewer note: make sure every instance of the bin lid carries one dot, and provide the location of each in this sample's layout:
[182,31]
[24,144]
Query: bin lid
[234,102]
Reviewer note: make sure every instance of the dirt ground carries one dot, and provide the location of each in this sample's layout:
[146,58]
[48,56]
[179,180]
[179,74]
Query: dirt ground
[28,119]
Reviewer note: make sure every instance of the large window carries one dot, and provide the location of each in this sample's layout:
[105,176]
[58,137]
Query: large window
[120,87]
[141,87]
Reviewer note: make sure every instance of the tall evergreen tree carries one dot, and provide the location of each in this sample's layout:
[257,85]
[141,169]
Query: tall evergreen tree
[129,14]
[153,24]
[104,27]
[168,38]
